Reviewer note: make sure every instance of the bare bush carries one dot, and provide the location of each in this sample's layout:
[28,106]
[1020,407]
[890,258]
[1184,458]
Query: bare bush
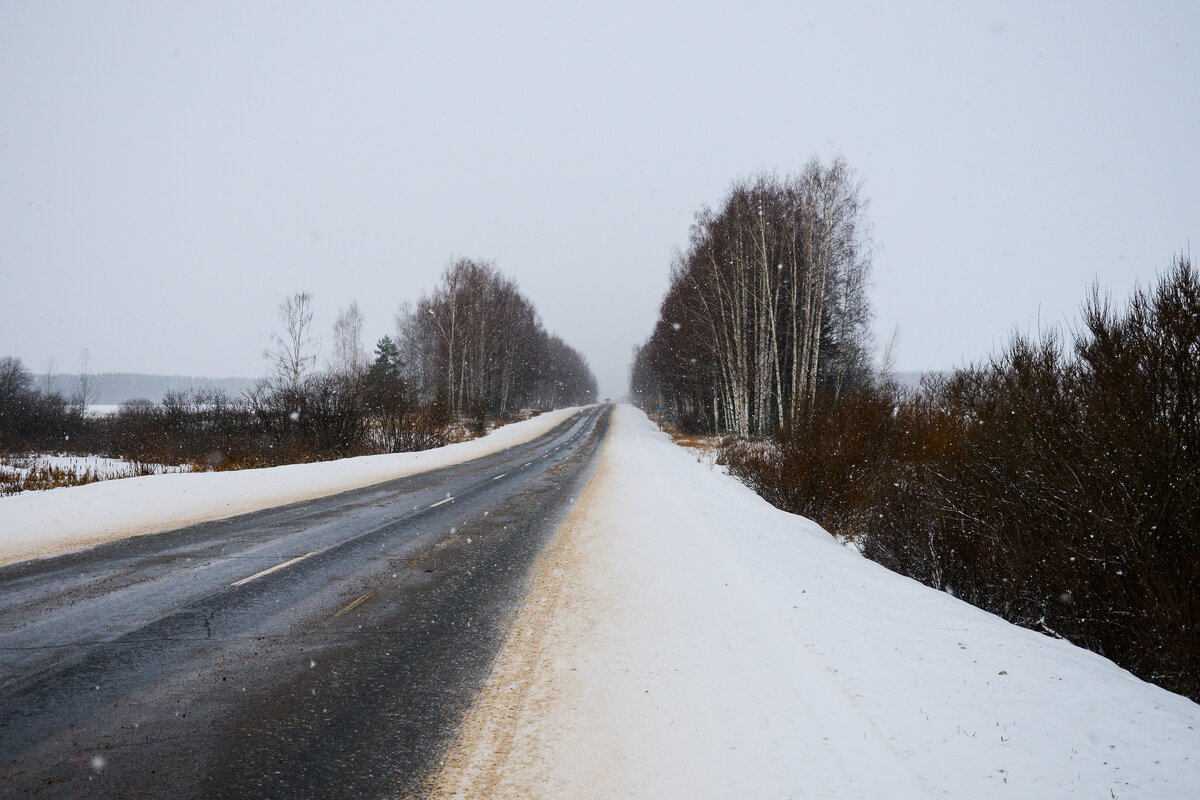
[1057,485]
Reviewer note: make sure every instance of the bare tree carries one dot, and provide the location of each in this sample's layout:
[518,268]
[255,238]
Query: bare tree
[767,306]
[14,380]
[348,357]
[887,363]
[480,338]
[85,392]
[293,353]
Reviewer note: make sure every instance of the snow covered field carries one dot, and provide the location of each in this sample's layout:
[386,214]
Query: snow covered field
[684,639]
[35,524]
[102,468]
[103,409]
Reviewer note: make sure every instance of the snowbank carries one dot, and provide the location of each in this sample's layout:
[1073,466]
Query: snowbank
[38,524]
[685,639]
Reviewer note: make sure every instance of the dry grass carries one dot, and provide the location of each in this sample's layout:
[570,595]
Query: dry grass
[29,473]
[706,447]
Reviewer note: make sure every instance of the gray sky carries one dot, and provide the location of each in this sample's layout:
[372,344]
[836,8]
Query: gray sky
[168,172]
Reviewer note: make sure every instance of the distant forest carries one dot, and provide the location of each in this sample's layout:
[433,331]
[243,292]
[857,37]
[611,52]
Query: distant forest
[113,388]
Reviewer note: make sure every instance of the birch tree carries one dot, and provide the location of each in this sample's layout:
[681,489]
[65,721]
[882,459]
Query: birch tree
[348,358]
[294,350]
[478,336]
[767,307]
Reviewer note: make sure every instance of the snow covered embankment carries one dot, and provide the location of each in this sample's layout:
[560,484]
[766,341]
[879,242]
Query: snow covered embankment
[685,639]
[39,524]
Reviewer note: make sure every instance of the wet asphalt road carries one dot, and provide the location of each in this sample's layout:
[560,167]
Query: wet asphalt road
[151,667]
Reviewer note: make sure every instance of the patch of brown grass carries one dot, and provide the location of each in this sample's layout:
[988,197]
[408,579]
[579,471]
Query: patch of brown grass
[45,476]
[706,447]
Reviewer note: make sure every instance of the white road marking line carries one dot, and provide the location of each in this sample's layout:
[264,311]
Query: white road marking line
[527,463]
[268,571]
[498,477]
[439,502]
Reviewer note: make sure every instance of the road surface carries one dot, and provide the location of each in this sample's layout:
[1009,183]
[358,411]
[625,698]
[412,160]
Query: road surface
[323,649]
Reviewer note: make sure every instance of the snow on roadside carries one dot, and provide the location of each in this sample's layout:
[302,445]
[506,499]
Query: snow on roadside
[683,638]
[38,524]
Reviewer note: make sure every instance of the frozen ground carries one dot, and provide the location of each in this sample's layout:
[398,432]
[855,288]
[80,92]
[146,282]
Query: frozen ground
[34,524]
[684,639]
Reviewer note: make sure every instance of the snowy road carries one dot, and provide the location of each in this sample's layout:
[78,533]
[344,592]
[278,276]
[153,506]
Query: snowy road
[325,648]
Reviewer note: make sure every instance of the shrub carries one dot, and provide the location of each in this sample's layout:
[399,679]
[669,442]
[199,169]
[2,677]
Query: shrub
[1057,487]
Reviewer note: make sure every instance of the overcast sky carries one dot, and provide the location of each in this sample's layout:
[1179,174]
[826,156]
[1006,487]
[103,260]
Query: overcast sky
[168,172]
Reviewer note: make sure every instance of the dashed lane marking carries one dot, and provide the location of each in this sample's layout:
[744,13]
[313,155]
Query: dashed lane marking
[439,502]
[268,571]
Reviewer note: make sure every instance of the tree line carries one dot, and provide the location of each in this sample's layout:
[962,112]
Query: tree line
[478,337]
[471,353]
[766,308]
[113,388]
